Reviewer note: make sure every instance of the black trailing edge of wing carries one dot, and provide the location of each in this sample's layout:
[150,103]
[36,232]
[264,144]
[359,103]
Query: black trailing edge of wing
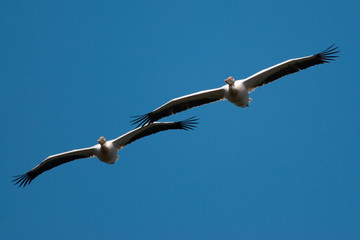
[142,120]
[153,128]
[25,179]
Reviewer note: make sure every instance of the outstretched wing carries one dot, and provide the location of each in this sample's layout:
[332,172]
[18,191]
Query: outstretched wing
[153,128]
[288,67]
[180,104]
[51,162]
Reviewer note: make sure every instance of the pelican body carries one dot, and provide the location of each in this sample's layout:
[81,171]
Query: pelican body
[236,93]
[106,151]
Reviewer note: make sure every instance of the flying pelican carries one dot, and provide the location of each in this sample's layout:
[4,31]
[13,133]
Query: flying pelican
[237,92]
[105,151]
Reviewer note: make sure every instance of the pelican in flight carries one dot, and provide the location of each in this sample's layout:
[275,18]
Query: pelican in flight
[237,92]
[105,151]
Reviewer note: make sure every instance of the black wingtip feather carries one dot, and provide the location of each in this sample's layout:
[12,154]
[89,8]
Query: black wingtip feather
[328,54]
[141,120]
[22,180]
[329,48]
[190,123]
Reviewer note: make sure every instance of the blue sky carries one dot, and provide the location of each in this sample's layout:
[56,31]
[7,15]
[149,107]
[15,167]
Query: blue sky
[287,167]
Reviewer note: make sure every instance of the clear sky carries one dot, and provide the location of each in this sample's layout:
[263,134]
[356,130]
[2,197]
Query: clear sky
[287,167]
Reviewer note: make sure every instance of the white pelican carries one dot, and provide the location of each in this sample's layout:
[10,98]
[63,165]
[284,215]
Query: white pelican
[105,151]
[237,92]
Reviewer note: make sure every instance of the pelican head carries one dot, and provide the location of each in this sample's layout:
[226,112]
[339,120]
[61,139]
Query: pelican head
[230,81]
[101,141]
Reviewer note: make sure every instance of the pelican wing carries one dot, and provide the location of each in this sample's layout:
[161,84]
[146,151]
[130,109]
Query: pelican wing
[180,104]
[288,67]
[51,162]
[153,128]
